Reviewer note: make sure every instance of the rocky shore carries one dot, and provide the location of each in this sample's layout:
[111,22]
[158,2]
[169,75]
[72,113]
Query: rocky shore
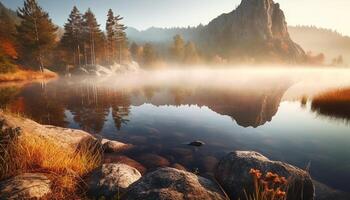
[120,177]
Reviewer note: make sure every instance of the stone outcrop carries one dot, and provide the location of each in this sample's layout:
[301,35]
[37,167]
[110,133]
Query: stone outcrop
[169,183]
[233,175]
[112,179]
[256,29]
[67,138]
[25,186]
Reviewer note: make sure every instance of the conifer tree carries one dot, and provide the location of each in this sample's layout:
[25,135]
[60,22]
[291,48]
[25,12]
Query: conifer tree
[72,38]
[93,38]
[110,36]
[191,54]
[36,34]
[116,38]
[177,48]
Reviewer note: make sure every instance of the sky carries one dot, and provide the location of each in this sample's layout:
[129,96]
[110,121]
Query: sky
[142,14]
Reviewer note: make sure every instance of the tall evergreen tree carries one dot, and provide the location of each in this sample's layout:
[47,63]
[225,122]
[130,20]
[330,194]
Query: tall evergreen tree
[93,38]
[36,33]
[111,36]
[177,48]
[72,38]
[116,38]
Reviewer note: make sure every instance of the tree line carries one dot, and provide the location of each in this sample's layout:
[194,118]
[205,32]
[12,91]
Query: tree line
[34,42]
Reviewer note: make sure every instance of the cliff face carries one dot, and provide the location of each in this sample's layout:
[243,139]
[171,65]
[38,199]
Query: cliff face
[256,30]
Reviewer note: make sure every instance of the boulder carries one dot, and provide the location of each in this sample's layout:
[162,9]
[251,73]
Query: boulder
[25,186]
[110,158]
[169,183]
[67,138]
[233,175]
[111,146]
[111,179]
[153,161]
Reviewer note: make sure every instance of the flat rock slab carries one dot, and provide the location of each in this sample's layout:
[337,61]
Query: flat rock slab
[112,179]
[67,138]
[25,186]
[170,183]
[233,175]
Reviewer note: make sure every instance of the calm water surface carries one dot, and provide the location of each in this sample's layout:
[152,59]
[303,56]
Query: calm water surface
[229,110]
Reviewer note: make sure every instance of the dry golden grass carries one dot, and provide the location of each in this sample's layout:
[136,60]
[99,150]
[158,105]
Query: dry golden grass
[25,75]
[64,166]
[335,104]
[341,95]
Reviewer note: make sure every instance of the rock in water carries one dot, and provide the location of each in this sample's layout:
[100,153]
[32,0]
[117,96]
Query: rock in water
[256,30]
[232,173]
[25,186]
[196,143]
[169,183]
[111,179]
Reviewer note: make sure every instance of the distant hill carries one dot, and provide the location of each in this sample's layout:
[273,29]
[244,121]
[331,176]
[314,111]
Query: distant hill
[318,40]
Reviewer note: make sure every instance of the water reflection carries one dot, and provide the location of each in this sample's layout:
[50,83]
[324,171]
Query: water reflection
[159,115]
[333,103]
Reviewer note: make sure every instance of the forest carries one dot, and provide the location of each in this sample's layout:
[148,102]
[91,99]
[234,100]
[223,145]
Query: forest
[29,40]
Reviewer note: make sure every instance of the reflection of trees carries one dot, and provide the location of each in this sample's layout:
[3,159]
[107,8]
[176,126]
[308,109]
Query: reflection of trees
[90,107]
[120,109]
[44,104]
[180,94]
[7,95]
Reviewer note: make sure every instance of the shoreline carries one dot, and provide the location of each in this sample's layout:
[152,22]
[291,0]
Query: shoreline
[27,75]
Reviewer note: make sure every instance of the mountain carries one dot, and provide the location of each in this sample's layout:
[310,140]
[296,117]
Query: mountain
[256,30]
[321,40]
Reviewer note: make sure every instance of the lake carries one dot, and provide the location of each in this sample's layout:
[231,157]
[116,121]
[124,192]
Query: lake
[266,110]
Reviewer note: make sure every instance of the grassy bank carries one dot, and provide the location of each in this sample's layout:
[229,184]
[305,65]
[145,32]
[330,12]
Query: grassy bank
[26,75]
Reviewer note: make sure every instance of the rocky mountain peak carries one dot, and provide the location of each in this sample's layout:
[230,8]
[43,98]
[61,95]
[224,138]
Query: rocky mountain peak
[256,29]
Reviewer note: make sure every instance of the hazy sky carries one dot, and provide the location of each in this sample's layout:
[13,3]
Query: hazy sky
[142,14]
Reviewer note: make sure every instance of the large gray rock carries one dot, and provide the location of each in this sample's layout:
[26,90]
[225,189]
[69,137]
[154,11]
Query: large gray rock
[67,138]
[112,179]
[173,184]
[25,186]
[233,175]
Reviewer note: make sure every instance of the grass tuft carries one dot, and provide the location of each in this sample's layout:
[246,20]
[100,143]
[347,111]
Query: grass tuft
[34,154]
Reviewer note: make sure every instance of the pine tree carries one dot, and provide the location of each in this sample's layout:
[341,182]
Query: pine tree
[93,39]
[116,38]
[36,33]
[110,37]
[149,54]
[190,54]
[177,49]
[136,52]
[72,38]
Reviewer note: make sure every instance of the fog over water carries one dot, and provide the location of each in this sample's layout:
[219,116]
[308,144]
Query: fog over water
[269,110]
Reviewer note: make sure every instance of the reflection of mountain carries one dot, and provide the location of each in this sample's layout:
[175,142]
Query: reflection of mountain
[248,107]
[335,104]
